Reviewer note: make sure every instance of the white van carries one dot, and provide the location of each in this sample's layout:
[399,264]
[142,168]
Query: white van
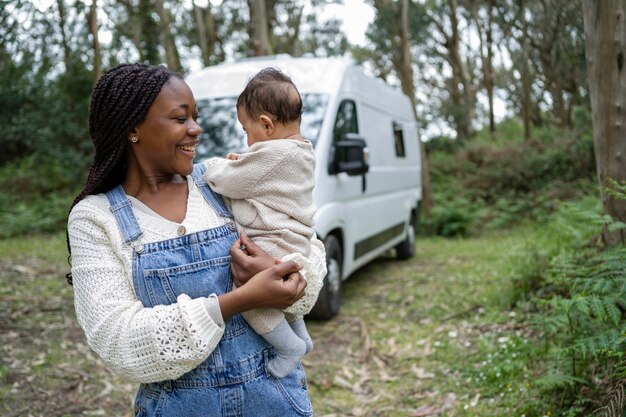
[368,174]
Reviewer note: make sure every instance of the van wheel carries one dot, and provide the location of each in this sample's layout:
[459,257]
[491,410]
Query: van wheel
[328,302]
[406,249]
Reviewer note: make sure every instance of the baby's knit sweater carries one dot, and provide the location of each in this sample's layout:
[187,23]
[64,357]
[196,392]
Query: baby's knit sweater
[270,191]
[144,344]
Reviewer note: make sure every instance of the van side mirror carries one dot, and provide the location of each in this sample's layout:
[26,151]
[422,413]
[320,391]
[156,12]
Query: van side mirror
[349,156]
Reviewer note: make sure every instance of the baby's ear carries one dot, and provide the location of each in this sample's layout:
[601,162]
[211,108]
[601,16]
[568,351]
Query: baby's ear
[268,123]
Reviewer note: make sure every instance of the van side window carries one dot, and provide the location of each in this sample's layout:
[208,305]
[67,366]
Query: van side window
[346,121]
[398,137]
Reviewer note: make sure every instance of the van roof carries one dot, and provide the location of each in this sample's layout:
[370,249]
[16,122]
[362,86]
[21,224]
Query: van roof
[309,74]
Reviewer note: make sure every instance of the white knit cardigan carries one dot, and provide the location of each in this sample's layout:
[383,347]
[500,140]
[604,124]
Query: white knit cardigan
[145,344]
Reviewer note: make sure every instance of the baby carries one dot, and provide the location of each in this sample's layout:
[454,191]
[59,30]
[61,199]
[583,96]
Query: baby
[269,190]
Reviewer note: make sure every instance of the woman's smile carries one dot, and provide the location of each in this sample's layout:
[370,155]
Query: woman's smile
[188,149]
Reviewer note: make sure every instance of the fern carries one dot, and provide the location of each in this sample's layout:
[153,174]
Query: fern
[554,381]
[613,404]
[582,305]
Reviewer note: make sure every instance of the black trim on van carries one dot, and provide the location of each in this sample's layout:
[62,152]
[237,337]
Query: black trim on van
[367,245]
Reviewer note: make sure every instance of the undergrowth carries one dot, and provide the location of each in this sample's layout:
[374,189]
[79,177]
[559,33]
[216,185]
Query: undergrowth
[576,290]
[495,181]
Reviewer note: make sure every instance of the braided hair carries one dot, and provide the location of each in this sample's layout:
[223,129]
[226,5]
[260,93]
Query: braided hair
[119,101]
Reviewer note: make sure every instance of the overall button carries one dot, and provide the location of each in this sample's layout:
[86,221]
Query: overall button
[181,230]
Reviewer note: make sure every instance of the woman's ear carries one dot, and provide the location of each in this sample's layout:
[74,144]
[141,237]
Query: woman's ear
[268,124]
[132,136]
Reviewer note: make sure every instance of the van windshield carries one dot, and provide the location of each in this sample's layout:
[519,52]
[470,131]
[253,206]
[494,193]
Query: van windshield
[222,133]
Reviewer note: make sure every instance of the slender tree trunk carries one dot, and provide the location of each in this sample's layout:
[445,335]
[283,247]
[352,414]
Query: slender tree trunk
[526,85]
[260,28]
[95,40]
[406,80]
[67,50]
[202,33]
[489,78]
[207,32]
[486,56]
[172,58]
[605,46]
[464,96]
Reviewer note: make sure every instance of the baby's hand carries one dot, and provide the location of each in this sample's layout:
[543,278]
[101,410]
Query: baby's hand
[232,156]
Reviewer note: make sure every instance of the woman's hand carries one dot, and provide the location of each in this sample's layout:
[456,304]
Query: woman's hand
[247,260]
[279,286]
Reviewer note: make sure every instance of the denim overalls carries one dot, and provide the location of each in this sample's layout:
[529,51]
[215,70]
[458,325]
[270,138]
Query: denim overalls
[233,380]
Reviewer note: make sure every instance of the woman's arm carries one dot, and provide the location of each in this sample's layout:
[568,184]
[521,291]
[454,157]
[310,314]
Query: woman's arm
[248,261]
[276,287]
[140,344]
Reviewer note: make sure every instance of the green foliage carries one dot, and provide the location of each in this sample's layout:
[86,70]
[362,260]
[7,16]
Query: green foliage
[579,299]
[453,215]
[37,194]
[497,181]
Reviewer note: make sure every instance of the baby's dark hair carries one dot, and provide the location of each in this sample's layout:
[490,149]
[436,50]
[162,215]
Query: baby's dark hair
[119,101]
[271,91]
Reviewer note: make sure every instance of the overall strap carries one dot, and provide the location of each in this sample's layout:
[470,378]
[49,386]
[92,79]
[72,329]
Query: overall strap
[123,212]
[215,200]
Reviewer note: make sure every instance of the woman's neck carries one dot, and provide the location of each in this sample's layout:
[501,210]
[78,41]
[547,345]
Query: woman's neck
[143,181]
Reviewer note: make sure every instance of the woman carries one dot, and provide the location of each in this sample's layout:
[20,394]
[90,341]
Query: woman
[151,247]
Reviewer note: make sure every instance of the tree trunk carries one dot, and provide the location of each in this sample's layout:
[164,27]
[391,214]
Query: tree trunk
[67,50]
[406,80]
[525,74]
[605,46]
[261,42]
[462,97]
[207,32]
[95,40]
[486,55]
[489,82]
[172,58]
[201,28]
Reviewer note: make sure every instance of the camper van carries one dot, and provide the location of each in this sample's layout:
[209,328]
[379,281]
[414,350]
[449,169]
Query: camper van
[368,172]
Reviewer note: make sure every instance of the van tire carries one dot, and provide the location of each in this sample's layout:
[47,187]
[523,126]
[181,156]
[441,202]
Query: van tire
[406,249]
[329,300]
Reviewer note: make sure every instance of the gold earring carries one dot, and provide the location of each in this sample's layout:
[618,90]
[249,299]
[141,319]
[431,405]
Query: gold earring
[134,139]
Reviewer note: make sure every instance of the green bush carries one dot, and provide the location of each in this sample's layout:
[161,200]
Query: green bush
[497,181]
[576,292]
[37,194]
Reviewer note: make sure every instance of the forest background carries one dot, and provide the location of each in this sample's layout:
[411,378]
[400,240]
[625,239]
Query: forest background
[519,103]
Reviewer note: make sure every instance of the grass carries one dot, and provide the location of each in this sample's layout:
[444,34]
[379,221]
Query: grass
[430,336]
[46,367]
[433,335]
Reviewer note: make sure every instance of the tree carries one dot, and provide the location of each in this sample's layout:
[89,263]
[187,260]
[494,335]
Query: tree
[136,22]
[259,28]
[95,40]
[484,30]
[390,53]
[205,25]
[406,80]
[172,58]
[605,43]
[556,35]
[65,42]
